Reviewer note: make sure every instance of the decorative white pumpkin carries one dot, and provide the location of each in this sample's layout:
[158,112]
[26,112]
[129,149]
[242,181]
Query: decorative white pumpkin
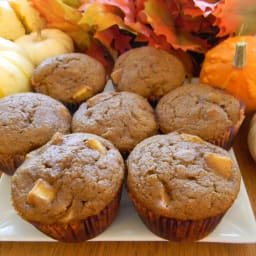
[14,79]
[45,44]
[7,45]
[15,69]
[22,63]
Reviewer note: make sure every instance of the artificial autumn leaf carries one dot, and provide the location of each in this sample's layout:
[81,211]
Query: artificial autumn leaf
[189,25]
[115,41]
[159,18]
[235,16]
[129,12]
[55,11]
[186,7]
[100,17]
[206,7]
[127,7]
[61,16]
[98,52]
[162,23]
[73,3]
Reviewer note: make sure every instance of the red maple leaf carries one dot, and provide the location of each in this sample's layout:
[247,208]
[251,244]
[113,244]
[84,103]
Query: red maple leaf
[114,40]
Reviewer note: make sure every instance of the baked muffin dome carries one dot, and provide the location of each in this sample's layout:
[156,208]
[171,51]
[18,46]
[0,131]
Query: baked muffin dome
[148,71]
[27,121]
[124,118]
[181,185]
[198,109]
[70,78]
[70,188]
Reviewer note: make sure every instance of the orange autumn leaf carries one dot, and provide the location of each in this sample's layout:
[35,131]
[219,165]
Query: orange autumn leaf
[64,17]
[235,16]
[158,16]
[58,13]
[73,3]
[160,19]
[131,10]
[100,17]
[127,7]
[188,7]
[129,14]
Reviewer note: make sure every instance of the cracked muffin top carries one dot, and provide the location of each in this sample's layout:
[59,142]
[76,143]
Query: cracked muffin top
[182,177]
[148,71]
[70,78]
[28,120]
[72,177]
[124,118]
[201,110]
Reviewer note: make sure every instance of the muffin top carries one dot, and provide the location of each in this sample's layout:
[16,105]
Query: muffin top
[28,120]
[200,110]
[70,178]
[182,177]
[124,118]
[148,71]
[70,78]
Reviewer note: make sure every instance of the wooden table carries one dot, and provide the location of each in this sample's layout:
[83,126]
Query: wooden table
[248,169]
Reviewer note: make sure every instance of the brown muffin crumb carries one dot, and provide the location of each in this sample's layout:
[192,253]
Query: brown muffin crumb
[71,78]
[148,71]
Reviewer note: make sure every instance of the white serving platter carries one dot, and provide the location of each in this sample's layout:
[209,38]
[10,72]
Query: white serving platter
[237,226]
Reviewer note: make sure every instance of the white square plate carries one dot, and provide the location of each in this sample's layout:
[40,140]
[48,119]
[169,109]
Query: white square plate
[237,226]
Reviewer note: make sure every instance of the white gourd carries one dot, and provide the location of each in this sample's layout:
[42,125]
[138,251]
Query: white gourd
[15,69]
[47,43]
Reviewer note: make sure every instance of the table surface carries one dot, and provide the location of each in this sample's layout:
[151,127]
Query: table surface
[248,170]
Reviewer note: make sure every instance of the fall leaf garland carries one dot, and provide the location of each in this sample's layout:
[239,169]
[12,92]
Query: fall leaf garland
[112,27]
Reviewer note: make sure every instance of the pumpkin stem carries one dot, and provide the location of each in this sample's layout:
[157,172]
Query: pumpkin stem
[39,36]
[240,55]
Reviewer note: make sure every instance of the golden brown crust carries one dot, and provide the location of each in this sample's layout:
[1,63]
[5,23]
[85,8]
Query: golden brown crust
[29,120]
[124,118]
[200,110]
[66,180]
[70,78]
[172,176]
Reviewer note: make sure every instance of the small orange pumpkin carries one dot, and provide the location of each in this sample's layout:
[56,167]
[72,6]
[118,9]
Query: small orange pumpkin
[231,65]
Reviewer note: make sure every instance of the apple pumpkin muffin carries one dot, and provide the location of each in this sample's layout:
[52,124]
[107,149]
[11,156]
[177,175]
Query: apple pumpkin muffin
[27,121]
[70,188]
[124,118]
[181,186]
[199,109]
[148,71]
[70,78]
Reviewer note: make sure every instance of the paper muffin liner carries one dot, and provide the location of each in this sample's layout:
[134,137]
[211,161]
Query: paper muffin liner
[9,164]
[174,229]
[82,230]
[226,140]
